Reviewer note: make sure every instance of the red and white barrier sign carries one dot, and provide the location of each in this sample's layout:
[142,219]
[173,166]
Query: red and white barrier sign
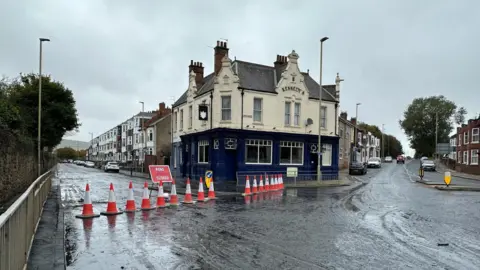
[160,173]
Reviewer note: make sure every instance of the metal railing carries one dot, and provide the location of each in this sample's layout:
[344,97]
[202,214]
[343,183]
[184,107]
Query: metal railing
[301,176]
[19,222]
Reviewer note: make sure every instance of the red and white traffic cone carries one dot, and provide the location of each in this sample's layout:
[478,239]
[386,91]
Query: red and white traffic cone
[173,195]
[188,194]
[281,181]
[161,196]
[247,192]
[87,211]
[201,193]
[112,204]
[267,184]
[130,206]
[146,205]
[211,191]
[254,187]
[260,186]
[275,184]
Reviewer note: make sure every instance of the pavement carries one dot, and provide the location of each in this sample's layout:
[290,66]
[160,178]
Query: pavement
[442,169]
[385,220]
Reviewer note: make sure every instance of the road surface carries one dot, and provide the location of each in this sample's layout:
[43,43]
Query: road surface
[391,222]
[437,177]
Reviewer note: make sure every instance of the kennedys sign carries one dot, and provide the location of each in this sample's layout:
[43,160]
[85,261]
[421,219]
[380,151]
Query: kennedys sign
[203,112]
[292,88]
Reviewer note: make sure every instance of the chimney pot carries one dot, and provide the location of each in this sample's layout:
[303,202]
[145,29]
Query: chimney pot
[220,51]
[191,62]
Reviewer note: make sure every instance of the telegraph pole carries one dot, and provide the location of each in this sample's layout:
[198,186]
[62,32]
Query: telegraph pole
[383,142]
[436,135]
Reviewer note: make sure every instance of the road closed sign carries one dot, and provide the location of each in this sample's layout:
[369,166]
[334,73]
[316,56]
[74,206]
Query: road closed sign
[160,173]
[208,178]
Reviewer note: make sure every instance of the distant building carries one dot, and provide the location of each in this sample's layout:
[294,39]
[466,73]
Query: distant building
[453,147]
[468,146]
[346,132]
[159,137]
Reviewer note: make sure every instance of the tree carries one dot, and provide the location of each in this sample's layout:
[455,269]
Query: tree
[460,115]
[393,147]
[66,153]
[420,118]
[81,154]
[59,114]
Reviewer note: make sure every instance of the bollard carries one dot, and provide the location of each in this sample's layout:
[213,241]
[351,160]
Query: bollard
[421,173]
[447,178]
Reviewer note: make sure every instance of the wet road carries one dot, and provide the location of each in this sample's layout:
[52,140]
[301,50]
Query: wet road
[437,177]
[390,223]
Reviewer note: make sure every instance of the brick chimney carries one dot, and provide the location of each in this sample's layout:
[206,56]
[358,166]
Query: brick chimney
[197,67]
[280,65]
[220,51]
[162,110]
[353,120]
[344,115]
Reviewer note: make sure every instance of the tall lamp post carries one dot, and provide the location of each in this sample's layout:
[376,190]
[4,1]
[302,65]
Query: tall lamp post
[319,148]
[356,129]
[39,135]
[144,133]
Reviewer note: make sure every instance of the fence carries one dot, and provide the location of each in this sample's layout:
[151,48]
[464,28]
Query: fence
[301,176]
[19,223]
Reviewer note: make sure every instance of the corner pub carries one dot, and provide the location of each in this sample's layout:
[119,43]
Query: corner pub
[249,119]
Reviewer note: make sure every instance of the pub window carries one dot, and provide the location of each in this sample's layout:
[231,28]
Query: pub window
[323,119]
[296,114]
[291,153]
[226,108]
[190,116]
[327,155]
[257,109]
[258,151]
[181,120]
[203,147]
[287,112]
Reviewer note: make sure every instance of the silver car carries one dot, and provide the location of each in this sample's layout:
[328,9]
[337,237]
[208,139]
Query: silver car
[428,165]
[111,167]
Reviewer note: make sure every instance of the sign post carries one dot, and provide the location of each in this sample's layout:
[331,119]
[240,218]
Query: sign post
[293,172]
[208,178]
[447,178]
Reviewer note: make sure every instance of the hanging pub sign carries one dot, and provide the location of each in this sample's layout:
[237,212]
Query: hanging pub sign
[203,112]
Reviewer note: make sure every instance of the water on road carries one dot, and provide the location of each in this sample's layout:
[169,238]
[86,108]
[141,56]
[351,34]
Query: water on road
[389,223]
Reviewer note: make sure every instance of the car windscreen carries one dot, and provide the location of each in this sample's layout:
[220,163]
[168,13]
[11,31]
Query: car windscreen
[112,163]
[427,162]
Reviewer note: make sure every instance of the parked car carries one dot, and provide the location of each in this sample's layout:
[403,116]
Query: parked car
[89,164]
[428,165]
[357,168]
[111,167]
[400,159]
[388,159]
[374,162]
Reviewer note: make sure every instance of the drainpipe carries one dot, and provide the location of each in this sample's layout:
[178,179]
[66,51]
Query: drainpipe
[336,115]
[241,112]
[211,109]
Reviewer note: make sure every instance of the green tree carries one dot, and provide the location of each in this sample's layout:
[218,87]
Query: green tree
[420,118]
[59,114]
[393,147]
[66,153]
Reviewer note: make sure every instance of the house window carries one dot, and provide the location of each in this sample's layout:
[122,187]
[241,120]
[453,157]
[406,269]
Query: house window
[181,120]
[257,109]
[203,152]
[296,114]
[190,115]
[175,119]
[123,142]
[150,135]
[465,157]
[287,113]
[340,153]
[291,153]
[258,151]
[226,108]
[327,155]
[323,119]
[475,135]
[465,138]
[474,157]
[150,151]
[459,157]
[136,138]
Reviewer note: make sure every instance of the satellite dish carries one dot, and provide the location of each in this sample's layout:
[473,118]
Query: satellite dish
[308,122]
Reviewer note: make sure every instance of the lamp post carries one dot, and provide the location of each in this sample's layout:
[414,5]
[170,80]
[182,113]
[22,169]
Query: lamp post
[39,135]
[356,129]
[319,148]
[144,133]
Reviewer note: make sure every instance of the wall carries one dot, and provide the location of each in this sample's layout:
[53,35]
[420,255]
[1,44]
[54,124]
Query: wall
[163,144]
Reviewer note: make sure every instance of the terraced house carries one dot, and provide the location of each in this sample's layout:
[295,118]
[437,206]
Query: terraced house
[468,139]
[248,118]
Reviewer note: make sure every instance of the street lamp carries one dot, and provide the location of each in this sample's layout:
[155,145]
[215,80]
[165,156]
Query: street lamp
[39,127]
[356,127]
[319,148]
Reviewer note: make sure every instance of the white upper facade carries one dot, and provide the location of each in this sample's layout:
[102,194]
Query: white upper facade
[286,104]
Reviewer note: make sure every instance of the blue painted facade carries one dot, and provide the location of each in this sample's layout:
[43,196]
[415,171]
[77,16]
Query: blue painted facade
[227,154]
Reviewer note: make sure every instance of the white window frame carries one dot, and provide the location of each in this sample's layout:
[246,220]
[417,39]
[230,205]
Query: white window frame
[226,112]
[288,114]
[459,156]
[465,138]
[475,135]
[258,112]
[328,152]
[203,144]
[323,119]
[465,157]
[181,119]
[190,116]
[291,145]
[258,143]
[472,152]
[150,135]
[296,114]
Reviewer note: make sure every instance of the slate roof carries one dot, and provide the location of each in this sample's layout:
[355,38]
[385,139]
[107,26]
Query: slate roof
[261,78]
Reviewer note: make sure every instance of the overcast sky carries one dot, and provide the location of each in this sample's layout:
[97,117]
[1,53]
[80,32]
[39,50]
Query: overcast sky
[113,54]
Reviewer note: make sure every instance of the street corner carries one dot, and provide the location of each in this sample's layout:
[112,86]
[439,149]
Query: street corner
[457,188]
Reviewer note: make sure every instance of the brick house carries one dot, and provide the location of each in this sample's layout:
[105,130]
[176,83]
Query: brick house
[159,136]
[346,132]
[468,147]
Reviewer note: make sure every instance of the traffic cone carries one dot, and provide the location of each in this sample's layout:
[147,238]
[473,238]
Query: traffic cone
[112,204]
[173,195]
[254,188]
[87,211]
[130,207]
[161,197]
[211,191]
[247,187]
[201,193]
[260,186]
[275,188]
[281,181]
[146,199]
[267,184]
[188,194]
